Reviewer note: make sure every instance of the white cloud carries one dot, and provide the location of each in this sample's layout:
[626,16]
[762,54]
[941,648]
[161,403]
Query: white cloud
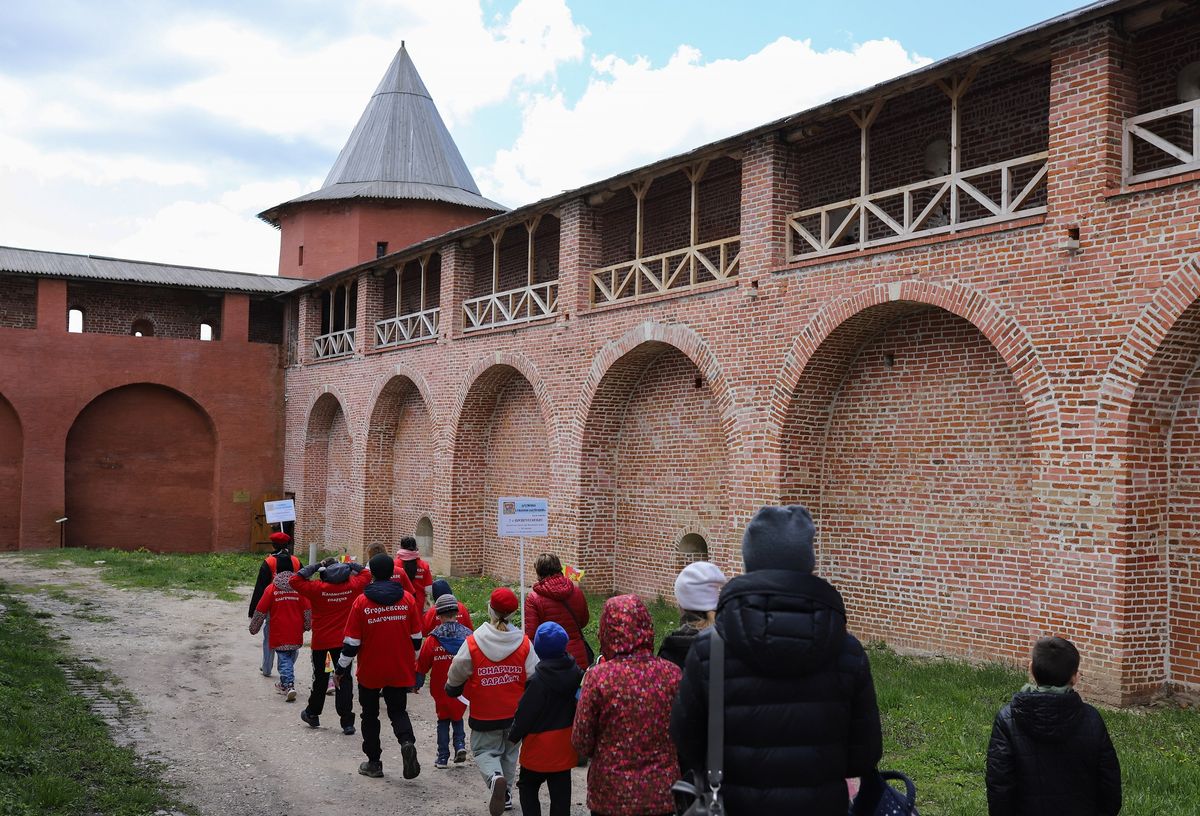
[263,82]
[633,112]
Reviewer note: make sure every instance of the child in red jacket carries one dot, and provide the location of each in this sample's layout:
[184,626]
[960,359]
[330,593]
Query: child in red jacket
[410,564]
[331,588]
[439,648]
[291,617]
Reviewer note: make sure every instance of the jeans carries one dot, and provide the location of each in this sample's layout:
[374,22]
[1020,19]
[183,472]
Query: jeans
[495,754]
[443,738]
[287,667]
[558,784]
[397,711]
[343,701]
[268,660]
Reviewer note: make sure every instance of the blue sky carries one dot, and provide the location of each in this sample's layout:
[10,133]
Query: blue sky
[157,129]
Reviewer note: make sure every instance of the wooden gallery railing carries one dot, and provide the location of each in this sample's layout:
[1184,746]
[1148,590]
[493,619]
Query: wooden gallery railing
[511,307]
[1182,121]
[334,344]
[997,192]
[407,328]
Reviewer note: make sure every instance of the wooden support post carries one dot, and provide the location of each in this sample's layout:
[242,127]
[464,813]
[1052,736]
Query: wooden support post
[865,119]
[639,190]
[399,288]
[424,263]
[694,173]
[954,89]
[496,238]
[531,260]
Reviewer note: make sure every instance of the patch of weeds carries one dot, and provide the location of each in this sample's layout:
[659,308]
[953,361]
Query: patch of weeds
[56,756]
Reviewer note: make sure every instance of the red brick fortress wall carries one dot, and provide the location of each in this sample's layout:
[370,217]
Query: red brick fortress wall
[995,430]
[156,442]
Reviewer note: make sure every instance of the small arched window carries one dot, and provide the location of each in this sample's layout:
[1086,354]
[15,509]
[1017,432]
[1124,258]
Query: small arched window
[142,328]
[205,331]
[693,547]
[75,321]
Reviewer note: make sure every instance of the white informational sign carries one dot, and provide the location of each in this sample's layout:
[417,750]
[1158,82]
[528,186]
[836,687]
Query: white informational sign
[280,511]
[520,517]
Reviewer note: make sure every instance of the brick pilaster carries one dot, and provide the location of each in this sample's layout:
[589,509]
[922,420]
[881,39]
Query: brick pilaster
[769,195]
[578,255]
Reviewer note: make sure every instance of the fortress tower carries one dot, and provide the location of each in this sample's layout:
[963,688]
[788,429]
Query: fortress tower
[399,179]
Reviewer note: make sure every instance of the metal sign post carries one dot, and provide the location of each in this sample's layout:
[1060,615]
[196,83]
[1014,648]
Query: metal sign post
[277,512]
[521,518]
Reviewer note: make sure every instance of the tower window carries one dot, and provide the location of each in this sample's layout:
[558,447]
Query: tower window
[380,248]
[75,321]
[142,328]
[300,256]
[205,331]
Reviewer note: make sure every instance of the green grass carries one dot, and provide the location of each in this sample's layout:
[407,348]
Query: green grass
[56,758]
[937,718]
[217,573]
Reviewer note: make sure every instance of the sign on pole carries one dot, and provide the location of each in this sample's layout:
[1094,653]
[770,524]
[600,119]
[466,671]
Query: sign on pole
[278,512]
[521,517]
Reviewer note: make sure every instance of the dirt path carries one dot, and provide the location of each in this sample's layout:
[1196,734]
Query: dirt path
[228,738]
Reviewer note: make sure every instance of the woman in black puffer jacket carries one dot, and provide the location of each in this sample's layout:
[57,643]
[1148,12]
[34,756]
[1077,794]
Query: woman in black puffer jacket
[800,711]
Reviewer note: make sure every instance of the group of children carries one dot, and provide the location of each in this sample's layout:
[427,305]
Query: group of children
[1049,751]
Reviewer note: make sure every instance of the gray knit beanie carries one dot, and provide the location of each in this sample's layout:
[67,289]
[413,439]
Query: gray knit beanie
[780,538]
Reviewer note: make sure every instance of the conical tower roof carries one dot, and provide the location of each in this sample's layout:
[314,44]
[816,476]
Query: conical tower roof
[400,149]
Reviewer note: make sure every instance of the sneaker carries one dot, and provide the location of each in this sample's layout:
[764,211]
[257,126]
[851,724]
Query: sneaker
[499,789]
[290,694]
[508,800]
[460,756]
[281,688]
[348,730]
[371,769]
[312,720]
[440,764]
[408,753]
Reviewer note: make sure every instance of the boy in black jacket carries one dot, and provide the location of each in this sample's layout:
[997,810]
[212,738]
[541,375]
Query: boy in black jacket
[1050,754]
[543,724]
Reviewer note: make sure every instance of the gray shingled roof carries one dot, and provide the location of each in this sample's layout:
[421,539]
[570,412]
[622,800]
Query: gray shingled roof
[400,149]
[93,267]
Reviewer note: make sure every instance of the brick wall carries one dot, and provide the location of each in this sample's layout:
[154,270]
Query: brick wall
[18,302]
[400,464]
[1157,57]
[1183,542]
[266,321]
[1026,473]
[915,452]
[11,451]
[114,308]
[149,453]
[330,506]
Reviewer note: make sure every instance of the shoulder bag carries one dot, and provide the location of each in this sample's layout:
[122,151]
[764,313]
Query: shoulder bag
[877,798]
[704,789]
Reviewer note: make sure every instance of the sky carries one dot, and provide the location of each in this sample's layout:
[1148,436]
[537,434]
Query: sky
[158,129]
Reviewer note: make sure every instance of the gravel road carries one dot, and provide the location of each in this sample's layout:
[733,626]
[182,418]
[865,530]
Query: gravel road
[229,740]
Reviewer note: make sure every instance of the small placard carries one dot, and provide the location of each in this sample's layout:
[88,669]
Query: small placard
[241,496]
[280,511]
[521,517]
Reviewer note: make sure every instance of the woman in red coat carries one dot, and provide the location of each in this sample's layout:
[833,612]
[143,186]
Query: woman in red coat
[555,597]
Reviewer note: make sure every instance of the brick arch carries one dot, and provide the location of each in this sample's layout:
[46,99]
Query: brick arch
[1005,334]
[399,458]
[140,471]
[1149,414]
[907,434]
[12,447]
[654,459]
[502,441]
[326,512]
[679,336]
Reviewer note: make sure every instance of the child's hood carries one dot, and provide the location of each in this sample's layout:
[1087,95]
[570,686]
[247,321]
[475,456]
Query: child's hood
[1048,717]
[384,593]
[496,645]
[561,675]
[451,635]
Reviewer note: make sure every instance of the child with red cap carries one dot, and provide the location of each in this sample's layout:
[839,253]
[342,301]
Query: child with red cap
[281,560]
[491,670]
